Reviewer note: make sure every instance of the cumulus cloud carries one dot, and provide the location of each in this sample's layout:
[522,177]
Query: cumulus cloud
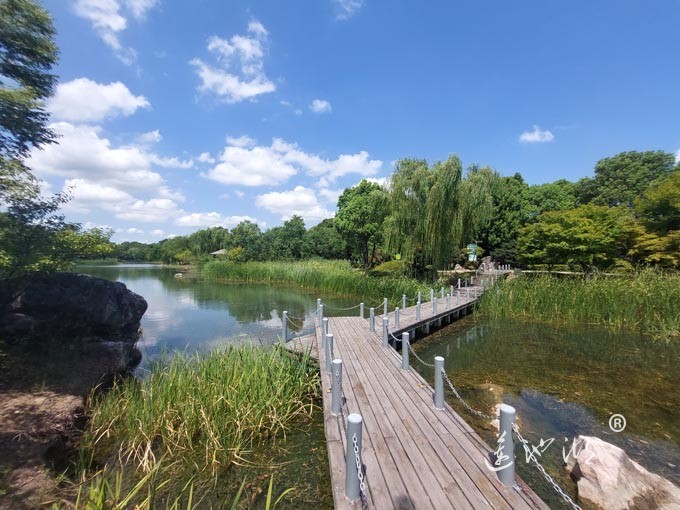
[205,157]
[241,141]
[239,73]
[157,232]
[108,22]
[275,164]
[149,137]
[320,106]
[136,231]
[537,135]
[345,9]
[213,219]
[300,201]
[83,100]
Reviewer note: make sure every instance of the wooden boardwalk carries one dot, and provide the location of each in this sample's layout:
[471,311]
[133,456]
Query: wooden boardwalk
[415,456]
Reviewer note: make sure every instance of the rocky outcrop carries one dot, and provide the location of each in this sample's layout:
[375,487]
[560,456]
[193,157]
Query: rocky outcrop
[70,305]
[607,478]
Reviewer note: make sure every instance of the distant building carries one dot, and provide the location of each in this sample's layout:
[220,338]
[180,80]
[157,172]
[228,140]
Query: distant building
[218,253]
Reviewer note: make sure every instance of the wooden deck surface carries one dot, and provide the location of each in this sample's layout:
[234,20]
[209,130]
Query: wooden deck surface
[415,457]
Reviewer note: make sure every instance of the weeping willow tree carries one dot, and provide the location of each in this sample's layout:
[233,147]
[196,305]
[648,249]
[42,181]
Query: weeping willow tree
[434,211]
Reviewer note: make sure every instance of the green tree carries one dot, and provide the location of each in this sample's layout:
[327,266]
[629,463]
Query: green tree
[621,179]
[553,196]
[248,236]
[590,236]
[323,240]
[27,55]
[361,213]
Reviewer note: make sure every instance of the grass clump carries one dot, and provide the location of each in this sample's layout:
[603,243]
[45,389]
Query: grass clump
[186,434]
[648,301]
[325,275]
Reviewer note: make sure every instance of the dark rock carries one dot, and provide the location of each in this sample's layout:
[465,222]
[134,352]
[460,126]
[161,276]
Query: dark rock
[70,304]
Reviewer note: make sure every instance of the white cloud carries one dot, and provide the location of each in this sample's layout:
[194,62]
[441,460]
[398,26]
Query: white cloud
[330,196]
[321,106]
[537,135]
[301,201]
[139,8]
[157,232]
[275,164]
[149,137]
[156,210]
[239,193]
[380,181]
[241,141]
[136,231]
[239,74]
[205,157]
[213,219]
[345,9]
[107,22]
[171,162]
[83,100]
[225,196]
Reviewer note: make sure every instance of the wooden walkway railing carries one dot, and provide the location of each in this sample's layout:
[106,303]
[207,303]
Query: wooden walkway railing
[412,455]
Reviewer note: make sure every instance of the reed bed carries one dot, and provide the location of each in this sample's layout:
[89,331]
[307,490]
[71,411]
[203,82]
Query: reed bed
[648,301]
[324,275]
[212,408]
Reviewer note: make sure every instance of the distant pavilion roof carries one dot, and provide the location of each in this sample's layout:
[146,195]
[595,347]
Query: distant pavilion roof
[219,252]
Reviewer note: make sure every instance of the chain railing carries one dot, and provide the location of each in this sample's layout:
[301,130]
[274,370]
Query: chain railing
[360,473]
[415,355]
[328,307]
[527,447]
[467,406]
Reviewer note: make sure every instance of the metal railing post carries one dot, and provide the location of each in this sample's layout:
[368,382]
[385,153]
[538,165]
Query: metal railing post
[507,451]
[420,297]
[459,283]
[442,292]
[467,290]
[336,387]
[458,298]
[418,310]
[403,301]
[284,327]
[318,305]
[329,351]
[431,294]
[352,483]
[324,332]
[361,310]
[434,307]
[448,302]
[396,317]
[371,321]
[385,306]
[321,312]
[386,337]
[405,339]
[438,382]
[451,290]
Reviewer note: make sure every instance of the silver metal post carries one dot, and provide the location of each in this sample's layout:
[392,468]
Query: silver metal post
[284,327]
[329,351]
[361,310]
[458,298]
[420,297]
[324,332]
[352,485]
[371,319]
[336,387]
[318,305]
[431,294]
[405,338]
[507,451]
[403,301]
[448,301]
[467,290]
[434,307]
[459,283]
[451,290]
[396,318]
[438,382]
[442,292]
[321,312]
[418,310]
[385,306]
[386,338]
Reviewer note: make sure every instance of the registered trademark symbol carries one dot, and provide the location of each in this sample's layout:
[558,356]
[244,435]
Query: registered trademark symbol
[617,422]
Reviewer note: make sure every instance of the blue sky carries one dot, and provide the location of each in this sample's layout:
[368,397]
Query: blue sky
[179,115]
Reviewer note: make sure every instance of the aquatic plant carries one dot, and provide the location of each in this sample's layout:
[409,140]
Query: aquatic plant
[325,275]
[648,301]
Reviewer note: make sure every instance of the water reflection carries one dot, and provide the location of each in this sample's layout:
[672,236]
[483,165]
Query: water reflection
[191,314]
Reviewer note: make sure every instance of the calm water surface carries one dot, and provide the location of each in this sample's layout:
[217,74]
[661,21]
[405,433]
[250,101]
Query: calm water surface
[563,380]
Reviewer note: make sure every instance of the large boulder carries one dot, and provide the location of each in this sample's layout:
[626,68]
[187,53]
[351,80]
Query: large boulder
[70,305]
[607,478]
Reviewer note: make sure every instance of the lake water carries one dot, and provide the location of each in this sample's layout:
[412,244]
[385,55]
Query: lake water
[563,380]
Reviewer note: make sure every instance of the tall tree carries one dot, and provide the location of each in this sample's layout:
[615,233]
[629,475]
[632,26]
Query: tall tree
[361,213]
[27,55]
[621,179]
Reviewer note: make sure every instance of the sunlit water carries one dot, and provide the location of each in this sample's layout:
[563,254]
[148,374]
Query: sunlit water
[566,381]
[563,380]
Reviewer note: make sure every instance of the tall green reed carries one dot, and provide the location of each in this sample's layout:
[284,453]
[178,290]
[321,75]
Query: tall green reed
[325,275]
[648,301]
